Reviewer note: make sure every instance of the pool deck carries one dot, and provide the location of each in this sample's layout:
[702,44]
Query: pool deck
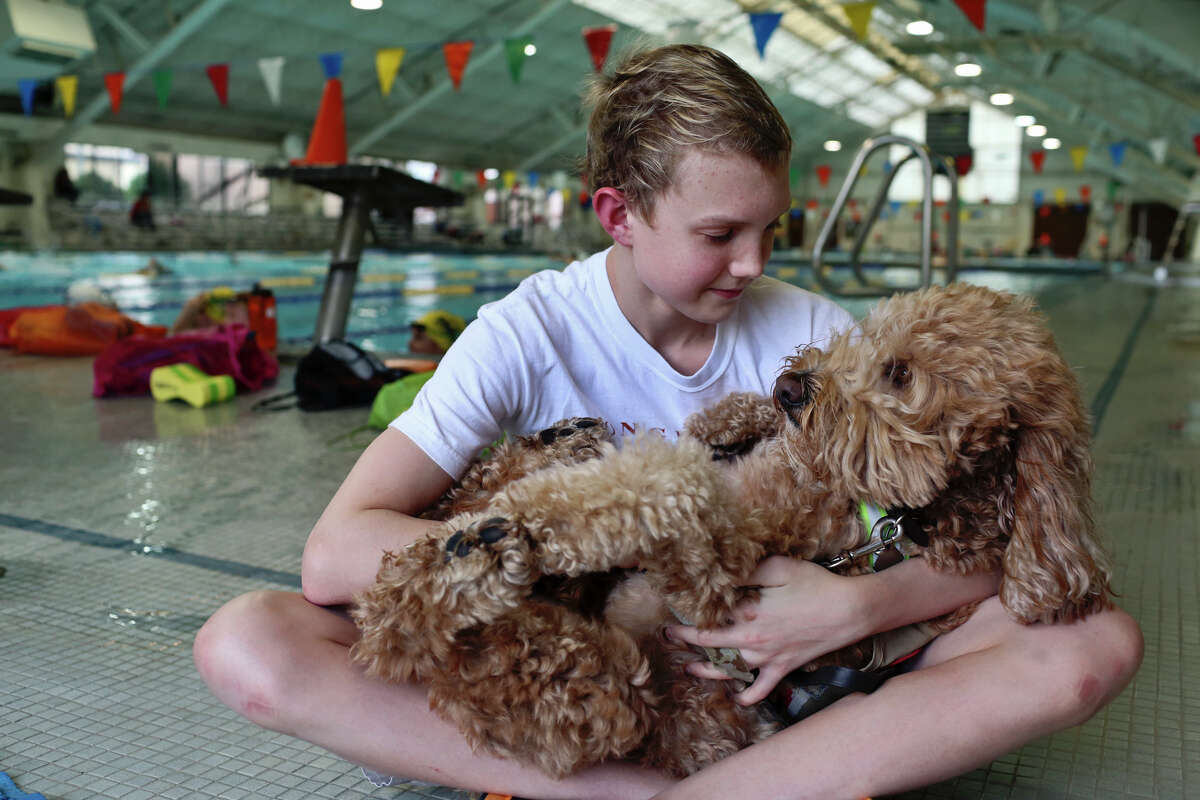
[125,523]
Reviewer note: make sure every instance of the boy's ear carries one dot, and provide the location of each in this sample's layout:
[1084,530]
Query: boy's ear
[613,213]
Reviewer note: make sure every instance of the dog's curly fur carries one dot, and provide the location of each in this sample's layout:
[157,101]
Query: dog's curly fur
[953,404]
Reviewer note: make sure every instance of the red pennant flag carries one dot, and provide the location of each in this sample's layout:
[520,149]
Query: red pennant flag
[1038,157]
[598,39]
[219,75]
[813,205]
[457,55]
[962,164]
[976,11]
[481,179]
[115,83]
[1196,142]
[1085,192]
[823,173]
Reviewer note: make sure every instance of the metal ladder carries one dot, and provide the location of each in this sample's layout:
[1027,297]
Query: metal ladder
[931,164]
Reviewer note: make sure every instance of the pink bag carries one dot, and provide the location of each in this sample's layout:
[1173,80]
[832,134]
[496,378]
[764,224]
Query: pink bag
[124,367]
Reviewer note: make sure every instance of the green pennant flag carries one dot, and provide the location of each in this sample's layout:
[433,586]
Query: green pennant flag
[162,85]
[515,50]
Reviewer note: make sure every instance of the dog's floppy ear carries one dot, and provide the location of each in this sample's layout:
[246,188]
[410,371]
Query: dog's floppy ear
[1054,567]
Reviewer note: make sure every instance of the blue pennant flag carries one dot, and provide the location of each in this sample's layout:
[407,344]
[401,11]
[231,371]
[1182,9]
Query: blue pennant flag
[764,24]
[332,64]
[1117,151]
[27,87]
[894,206]
[533,179]
[1039,197]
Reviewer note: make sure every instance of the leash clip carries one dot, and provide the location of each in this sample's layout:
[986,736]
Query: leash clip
[885,532]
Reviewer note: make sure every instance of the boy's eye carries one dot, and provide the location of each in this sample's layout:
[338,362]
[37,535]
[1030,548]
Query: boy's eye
[719,237]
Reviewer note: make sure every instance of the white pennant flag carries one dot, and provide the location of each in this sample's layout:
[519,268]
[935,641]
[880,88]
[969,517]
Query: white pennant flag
[272,75]
[1158,149]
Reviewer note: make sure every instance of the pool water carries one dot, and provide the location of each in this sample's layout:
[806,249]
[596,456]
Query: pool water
[392,290]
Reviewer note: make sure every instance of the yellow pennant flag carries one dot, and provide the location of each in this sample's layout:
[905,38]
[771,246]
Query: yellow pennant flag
[66,86]
[859,15]
[1060,196]
[509,177]
[1078,156]
[387,64]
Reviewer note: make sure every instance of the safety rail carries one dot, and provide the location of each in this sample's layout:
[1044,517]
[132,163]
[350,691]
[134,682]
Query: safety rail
[931,164]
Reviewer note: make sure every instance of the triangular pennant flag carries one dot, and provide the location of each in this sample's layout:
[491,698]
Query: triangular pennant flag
[598,39]
[1117,151]
[218,74]
[859,15]
[764,23]
[515,50]
[1038,157]
[162,85]
[27,86]
[508,178]
[1038,197]
[457,54]
[1196,143]
[66,86]
[332,64]
[823,173]
[1158,149]
[481,179]
[1060,196]
[387,64]
[271,70]
[532,178]
[115,83]
[963,163]
[1085,192]
[976,11]
[1079,156]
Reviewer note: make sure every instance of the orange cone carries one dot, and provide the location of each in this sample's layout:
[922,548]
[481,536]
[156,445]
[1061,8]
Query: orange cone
[327,145]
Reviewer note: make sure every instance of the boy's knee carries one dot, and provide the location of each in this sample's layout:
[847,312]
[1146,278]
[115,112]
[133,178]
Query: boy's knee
[233,654]
[1095,663]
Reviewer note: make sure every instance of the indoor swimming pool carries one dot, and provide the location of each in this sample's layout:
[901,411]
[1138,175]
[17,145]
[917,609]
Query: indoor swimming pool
[392,290]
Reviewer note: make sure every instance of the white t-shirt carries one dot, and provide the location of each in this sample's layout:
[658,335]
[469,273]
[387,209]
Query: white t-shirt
[559,346]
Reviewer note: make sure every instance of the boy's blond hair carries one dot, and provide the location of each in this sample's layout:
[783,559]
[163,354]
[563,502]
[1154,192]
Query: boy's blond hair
[661,101]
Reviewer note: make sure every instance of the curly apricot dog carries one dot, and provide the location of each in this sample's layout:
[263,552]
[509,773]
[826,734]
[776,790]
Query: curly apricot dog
[950,406]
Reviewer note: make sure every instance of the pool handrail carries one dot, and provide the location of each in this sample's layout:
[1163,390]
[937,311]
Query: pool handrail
[927,158]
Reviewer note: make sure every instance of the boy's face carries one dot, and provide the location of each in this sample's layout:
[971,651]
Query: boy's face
[712,233]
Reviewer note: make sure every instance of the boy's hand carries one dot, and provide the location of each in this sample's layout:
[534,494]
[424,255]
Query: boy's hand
[804,611]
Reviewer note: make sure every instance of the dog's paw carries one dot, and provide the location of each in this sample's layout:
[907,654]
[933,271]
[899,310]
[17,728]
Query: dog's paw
[572,434]
[494,546]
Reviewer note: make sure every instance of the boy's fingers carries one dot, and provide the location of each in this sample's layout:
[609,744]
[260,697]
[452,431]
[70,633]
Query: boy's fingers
[703,669]
[715,637]
[756,692]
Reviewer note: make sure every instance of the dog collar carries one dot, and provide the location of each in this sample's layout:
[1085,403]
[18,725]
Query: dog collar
[882,532]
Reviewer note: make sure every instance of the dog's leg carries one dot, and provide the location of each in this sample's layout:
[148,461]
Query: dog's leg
[734,425]
[456,578]
[548,687]
[568,441]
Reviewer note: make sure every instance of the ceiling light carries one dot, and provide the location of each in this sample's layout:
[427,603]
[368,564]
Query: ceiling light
[367,5]
[1024,120]
[1036,130]
[491,173]
[1051,143]
[1001,99]
[530,49]
[919,27]
[833,145]
[968,69]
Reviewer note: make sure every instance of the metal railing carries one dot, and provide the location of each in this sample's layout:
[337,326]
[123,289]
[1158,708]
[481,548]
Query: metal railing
[931,164]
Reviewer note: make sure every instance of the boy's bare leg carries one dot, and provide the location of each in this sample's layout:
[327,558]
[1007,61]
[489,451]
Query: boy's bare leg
[982,690]
[283,663]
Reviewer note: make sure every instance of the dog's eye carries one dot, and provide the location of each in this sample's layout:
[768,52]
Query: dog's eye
[897,372]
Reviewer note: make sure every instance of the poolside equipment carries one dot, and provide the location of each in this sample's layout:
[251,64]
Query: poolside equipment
[260,303]
[363,188]
[189,383]
[79,330]
[126,366]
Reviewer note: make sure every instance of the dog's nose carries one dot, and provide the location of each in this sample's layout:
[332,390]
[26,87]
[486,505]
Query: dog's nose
[793,390]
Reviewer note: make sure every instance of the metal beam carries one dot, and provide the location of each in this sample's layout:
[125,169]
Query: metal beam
[122,27]
[194,21]
[444,86]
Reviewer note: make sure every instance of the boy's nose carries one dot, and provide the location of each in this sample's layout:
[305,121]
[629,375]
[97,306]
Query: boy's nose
[749,264]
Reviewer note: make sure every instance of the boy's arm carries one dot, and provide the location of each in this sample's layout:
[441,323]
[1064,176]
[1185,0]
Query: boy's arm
[371,512]
[806,611]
